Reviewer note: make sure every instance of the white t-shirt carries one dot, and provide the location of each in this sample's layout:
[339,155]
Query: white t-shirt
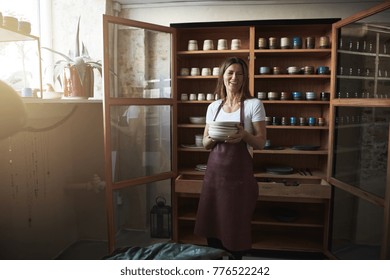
[253,109]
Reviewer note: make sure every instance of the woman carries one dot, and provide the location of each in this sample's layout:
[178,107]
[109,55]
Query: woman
[230,190]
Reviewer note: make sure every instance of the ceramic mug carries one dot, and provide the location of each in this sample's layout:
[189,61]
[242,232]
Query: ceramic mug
[206,72]
[210,96]
[192,45]
[285,43]
[195,71]
[236,44]
[262,43]
[184,71]
[27,92]
[201,96]
[311,121]
[193,96]
[222,44]
[208,45]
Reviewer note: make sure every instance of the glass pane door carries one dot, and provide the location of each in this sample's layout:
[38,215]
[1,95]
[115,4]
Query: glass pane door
[139,111]
[360,108]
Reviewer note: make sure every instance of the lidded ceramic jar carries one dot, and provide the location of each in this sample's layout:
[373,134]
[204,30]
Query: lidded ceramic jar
[262,43]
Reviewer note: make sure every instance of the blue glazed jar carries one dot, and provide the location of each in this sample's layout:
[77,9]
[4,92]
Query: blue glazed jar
[297,43]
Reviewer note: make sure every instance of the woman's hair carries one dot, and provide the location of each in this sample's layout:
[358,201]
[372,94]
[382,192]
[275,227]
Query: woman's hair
[221,89]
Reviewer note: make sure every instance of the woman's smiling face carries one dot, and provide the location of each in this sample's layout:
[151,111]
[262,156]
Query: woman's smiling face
[233,78]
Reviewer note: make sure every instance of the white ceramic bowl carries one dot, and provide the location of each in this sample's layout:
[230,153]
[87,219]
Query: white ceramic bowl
[198,120]
[293,70]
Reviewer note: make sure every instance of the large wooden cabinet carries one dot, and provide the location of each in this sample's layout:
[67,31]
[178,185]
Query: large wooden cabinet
[293,209]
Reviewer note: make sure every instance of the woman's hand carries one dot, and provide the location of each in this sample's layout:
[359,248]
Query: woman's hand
[237,137]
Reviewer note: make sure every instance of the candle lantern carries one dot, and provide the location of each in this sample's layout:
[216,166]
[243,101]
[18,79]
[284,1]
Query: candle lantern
[160,219]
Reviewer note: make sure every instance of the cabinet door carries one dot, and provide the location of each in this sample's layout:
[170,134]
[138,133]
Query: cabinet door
[360,111]
[139,110]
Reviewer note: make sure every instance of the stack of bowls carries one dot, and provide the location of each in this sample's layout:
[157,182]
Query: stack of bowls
[220,131]
[310,95]
[262,95]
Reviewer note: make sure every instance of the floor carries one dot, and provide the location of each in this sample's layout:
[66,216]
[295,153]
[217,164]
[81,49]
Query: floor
[97,250]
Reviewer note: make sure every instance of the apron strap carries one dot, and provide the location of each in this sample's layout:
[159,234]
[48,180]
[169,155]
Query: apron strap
[219,109]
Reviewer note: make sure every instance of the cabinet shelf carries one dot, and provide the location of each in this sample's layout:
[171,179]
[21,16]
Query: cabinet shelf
[296,102]
[288,52]
[61,101]
[7,35]
[356,53]
[196,77]
[213,53]
[292,76]
[287,241]
[362,102]
[314,127]
[289,151]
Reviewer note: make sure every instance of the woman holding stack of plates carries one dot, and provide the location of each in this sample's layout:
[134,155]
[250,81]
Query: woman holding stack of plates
[235,125]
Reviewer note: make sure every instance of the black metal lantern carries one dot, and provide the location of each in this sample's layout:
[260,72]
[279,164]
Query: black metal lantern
[160,219]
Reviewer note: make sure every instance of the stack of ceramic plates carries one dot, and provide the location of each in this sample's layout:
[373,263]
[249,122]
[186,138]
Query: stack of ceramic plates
[201,167]
[220,131]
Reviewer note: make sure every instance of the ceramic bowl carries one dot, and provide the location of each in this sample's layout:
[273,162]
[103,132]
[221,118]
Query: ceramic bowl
[265,70]
[284,95]
[310,95]
[296,95]
[308,70]
[197,120]
[262,95]
[293,70]
[273,95]
[322,70]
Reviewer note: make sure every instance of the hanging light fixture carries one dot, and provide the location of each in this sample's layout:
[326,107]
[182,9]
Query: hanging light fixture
[160,219]
[13,115]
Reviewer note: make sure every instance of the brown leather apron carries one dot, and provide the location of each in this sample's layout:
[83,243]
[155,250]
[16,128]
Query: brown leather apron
[229,195]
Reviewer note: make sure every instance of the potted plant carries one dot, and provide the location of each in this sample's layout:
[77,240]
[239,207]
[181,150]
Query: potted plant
[75,71]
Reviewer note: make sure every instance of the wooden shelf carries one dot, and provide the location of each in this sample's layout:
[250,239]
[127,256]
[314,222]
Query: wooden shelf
[61,101]
[7,35]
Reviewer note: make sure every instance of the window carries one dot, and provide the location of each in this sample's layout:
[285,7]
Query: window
[20,60]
